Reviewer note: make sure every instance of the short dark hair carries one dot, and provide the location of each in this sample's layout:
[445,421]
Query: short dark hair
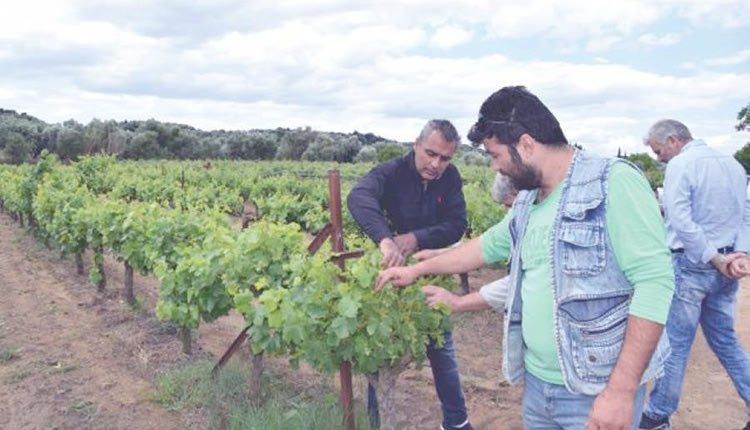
[512,111]
[443,126]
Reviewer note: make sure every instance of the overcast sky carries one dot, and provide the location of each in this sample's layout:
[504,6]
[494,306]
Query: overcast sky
[606,69]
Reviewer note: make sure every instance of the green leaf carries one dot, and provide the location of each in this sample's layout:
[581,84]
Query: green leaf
[348,307]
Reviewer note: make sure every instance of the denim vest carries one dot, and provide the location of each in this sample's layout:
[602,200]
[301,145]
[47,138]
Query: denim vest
[591,294]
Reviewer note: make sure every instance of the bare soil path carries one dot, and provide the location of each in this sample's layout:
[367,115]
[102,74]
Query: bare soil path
[82,360]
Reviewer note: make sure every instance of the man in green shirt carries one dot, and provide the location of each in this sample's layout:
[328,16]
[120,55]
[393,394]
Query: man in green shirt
[591,277]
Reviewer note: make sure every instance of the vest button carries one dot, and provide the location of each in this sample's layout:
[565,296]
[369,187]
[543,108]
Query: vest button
[592,358]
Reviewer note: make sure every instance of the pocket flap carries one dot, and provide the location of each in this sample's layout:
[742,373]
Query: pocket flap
[577,210]
[580,235]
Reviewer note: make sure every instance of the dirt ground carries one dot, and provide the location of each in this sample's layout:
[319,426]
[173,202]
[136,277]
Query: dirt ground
[83,360]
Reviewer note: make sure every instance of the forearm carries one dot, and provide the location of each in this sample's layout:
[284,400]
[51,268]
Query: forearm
[470,302]
[641,338]
[461,259]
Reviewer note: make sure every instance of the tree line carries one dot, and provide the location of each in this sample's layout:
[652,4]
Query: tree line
[23,137]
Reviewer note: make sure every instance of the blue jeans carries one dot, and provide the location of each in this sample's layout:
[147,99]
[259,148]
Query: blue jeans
[552,407]
[704,295]
[447,384]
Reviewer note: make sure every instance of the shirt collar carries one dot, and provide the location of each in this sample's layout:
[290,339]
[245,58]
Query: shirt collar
[692,144]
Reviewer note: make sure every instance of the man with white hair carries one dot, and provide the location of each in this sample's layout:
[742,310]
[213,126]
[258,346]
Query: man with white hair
[708,226]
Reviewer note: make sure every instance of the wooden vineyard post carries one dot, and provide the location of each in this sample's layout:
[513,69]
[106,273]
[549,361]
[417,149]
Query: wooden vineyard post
[337,243]
[127,291]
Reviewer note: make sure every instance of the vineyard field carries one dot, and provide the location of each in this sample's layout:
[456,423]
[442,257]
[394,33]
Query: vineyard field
[104,263]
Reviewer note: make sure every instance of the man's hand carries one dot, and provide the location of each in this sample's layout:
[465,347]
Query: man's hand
[392,256]
[437,295]
[612,410]
[398,276]
[407,244]
[722,263]
[426,254]
[739,267]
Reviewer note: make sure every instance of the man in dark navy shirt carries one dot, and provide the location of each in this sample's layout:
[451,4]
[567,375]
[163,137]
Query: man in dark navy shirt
[415,202]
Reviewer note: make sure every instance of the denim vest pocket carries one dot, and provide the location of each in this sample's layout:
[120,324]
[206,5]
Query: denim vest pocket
[583,248]
[596,344]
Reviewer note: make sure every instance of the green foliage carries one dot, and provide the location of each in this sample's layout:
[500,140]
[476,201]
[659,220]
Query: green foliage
[145,145]
[482,211]
[171,219]
[327,147]
[32,131]
[743,123]
[389,150]
[329,321]
[265,256]
[367,154]
[71,142]
[96,172]
[268,260]
[652,169]
[32,179]
[187,251]
[743,118]
[257,145]
[743,156]
[154,139]
[15,147]
[294,143]
[475,158]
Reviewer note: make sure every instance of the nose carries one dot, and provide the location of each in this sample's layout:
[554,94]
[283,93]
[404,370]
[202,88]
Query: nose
[435,162]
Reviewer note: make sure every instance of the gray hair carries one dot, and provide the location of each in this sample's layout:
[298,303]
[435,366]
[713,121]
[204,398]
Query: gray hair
[446,129]
[502,188]
[662,130]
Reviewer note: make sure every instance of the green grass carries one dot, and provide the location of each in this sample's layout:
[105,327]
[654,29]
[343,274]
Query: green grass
[139,305]
[191,391]
[8,353]
[18,376]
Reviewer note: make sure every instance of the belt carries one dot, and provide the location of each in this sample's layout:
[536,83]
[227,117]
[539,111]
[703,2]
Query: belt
[724,250]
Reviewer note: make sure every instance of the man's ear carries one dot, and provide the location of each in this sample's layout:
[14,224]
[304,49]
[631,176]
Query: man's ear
[526,146]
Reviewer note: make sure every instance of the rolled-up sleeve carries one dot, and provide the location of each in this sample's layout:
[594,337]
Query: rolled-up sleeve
[495,293]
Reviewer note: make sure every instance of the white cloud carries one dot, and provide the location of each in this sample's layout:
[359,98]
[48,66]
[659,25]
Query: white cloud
[601,44]
[721,13]
[355,65]
[737,58]
[688,65]
[450,36]
[663,40]
[728,143]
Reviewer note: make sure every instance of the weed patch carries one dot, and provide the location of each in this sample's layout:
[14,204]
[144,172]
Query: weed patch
[223,401]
